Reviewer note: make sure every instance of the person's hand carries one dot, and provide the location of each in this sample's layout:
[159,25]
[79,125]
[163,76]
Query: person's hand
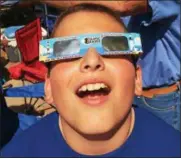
[133,7]
[126,7]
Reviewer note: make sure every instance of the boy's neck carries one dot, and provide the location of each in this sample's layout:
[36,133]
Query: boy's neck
[98,144]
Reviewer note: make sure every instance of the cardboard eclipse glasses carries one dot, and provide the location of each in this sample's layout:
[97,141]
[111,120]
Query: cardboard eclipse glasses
[77,46]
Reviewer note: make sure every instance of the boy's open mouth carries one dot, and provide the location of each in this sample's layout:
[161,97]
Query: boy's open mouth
[93,94]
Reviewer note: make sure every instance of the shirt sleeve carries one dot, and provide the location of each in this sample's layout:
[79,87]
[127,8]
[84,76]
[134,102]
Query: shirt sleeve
[160,36]
[162,9]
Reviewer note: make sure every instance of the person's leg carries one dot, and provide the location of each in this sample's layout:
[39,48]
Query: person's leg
[178,105]
[166,106]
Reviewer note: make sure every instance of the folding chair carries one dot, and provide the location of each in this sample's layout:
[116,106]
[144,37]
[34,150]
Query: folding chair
[49,18]
[29,116]
[30,68]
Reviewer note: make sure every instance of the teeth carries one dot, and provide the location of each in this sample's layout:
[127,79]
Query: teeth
[92,87]
[97,86]
[103,85]
[84,88]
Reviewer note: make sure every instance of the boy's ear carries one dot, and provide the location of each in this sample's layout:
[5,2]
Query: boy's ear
[138,81]
[48,91]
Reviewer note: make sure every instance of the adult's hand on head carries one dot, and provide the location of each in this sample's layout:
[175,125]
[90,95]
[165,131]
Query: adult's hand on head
[126,7]
[133,7]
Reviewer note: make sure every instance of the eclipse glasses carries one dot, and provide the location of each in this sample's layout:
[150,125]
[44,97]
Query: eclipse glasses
[77,46]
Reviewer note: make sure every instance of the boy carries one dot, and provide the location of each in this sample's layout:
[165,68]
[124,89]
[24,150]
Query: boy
[93,95]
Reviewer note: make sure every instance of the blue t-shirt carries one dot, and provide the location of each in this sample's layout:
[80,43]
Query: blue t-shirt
[151,137]
[160,34]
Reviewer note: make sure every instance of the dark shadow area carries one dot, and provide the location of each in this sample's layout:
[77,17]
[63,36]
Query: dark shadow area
[17,16]
[27,109]
[9,122]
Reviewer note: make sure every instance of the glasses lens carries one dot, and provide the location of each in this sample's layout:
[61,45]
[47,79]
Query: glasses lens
[115,43]
[66,47]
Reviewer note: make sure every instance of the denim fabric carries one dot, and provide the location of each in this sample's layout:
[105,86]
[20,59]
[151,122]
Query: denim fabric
[166,106]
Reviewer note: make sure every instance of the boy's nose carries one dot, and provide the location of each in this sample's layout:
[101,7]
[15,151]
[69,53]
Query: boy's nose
[92,61]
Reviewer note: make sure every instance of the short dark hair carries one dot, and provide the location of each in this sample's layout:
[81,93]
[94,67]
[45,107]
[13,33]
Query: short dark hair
[88,7]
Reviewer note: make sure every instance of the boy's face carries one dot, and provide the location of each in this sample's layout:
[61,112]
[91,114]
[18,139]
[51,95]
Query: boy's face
[92,112]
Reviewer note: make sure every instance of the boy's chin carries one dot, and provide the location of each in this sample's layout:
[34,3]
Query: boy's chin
[95,130]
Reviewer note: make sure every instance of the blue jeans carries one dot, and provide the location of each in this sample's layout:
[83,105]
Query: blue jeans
[166,107]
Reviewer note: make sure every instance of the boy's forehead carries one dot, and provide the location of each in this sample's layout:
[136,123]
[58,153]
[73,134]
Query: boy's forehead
[84,22]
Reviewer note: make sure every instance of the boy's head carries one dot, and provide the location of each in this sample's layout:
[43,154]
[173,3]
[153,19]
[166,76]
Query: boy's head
[93,93]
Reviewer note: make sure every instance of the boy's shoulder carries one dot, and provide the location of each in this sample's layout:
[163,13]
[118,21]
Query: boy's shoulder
[153,134]
[146,120]
[151,137]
